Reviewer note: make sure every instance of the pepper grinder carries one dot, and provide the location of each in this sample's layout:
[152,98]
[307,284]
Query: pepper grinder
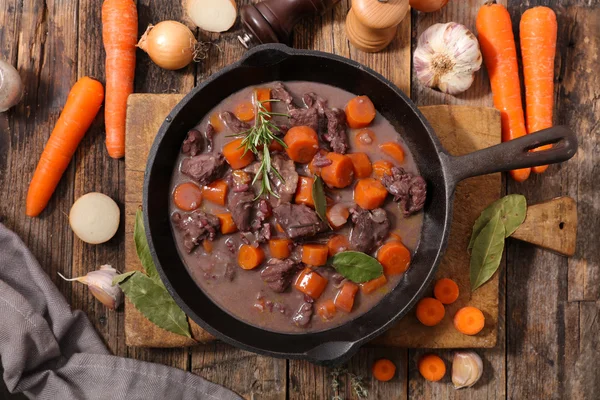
[371,24]
[272,21]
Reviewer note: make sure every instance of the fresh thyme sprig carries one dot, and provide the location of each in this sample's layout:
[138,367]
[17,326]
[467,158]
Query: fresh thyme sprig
[257,140]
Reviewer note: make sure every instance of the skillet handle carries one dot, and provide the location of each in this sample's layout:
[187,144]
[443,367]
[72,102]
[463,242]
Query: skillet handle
[514,154]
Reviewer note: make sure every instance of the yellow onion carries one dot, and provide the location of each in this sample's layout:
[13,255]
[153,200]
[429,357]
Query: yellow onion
[170,44]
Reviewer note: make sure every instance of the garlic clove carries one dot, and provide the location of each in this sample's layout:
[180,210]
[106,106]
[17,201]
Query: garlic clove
[101,287]
[467,368]
[11,86]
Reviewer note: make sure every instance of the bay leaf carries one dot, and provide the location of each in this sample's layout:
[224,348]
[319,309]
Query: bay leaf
[356,266]
[487,251]
[154,302]
[142,249]
[319,198]
[513,210]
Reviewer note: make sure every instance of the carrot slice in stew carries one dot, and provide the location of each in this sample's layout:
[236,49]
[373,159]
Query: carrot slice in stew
[280,248]
[361,165]
[381,168]
[337,244]
[345,298]
[216,192]
[217,122]
[263,95]
[187,196]
[250,257]
[383,370]
[340,173]
[360,112]
[310,283]
[311,165]
[244,111]
[432,367]
[302,144]
[395,237]
[227,224]
[446,291]
[234,154]
[430,311]
[364,137]
[304,193]
[315,254]
[276,146]
[394,257]
[208,246]
[326,310]
[369,193]
[393,150]
[373,285]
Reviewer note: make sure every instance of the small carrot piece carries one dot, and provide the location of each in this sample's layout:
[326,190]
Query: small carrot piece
[83,103]
[216,192]
[538,30]
[344,300]
[302,144]
[500,56]
[383,370]
[315,254]
[244,111]
[326,310]
[394,257]
[364,137]
[432,367]
[263,95]
[304,194]
[208,246]
[276,146]
[311,165]
[217,123]
[337,244]
[361,165]
[360,112]
[373,285]
[340,173]
[430,311]
[446,291]
[381,168]
[394,150]
[280,248]
[278,228]
[469,320]
[234,154]
[310,283]
[119,35]
[369,193]
[227,224]
[395,237]
[250,257]
[187,196]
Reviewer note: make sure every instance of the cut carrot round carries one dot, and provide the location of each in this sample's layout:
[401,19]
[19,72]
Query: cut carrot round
[187,196]
[344,300]
[394,150]
[383,370]
[373,285]
[304,194]
[432,367]
[236,154]
[337,244]
[302,144]
[263,95]
[361,165]
[207,245]
[244,111]
[364,137]
[280,248]
[469,320]
[326,310]
[310,283]
[446,291]
[394,257]
[340,173]
[360,112]
[430,311]
[217,122]
[216,192]
[314,254]
[369,193]
[227,224]
[381,168]
[250,257]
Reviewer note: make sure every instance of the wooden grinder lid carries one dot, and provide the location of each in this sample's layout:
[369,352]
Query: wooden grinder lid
[371,24]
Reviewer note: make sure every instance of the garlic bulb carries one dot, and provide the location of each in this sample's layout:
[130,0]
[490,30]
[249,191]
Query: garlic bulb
[447,57]
[11,86]
[467,368]
[100,284]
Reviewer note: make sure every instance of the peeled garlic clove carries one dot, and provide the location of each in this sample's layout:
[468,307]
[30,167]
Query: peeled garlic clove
[101,287]
[447,57]
[467,368]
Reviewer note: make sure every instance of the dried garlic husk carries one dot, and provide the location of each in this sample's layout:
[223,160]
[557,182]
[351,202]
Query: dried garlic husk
[447,57]
[100,284]
[467,368]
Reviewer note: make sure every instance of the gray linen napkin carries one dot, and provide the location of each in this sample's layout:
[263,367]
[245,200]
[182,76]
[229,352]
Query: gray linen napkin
[49,351]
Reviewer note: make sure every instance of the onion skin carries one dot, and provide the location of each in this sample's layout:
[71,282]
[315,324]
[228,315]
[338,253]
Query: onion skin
[428,5]
[170,44]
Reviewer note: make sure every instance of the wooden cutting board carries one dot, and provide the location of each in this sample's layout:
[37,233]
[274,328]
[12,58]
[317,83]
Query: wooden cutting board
[460,129]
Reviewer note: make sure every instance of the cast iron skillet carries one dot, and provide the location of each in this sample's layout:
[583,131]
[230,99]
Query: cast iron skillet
[441,171]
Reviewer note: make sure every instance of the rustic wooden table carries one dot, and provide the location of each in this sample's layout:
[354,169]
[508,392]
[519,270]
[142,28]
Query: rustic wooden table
[548,340]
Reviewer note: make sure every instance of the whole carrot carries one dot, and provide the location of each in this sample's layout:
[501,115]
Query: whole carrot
[538,47]
[83,103]
[500,56]
[119,34]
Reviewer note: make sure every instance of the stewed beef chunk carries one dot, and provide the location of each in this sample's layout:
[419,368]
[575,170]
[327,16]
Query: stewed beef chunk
[320,160]
[204,168]
[240,205]
[410,190]
[304,117]
[286,188]
[298,220]
[312,100]
[370,229]
[209,133]
[193,143]
[279,92]
[278,274]
[336,130]
[233,123]
[302,317]
[196,227]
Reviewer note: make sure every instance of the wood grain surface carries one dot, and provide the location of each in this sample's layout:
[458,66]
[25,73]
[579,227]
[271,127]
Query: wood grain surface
[549,306]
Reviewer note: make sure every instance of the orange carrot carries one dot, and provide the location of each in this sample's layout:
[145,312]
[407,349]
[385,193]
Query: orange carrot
[304,193]
[469,320]
[430,311]
[278,228]
[216,192]
[250,257]
[432,367]
[276,146]
[83,103]
[395,237]
[364,138]
[302,143]
[361,165]
[446,291]
[280,248]
[187,196]
[263,95]
[315,254]
[227,224]
[119,34]
[337,244]
[234,154]
[538,48]
[500,56]
[310,283]
[394,257]
[373,285]
[326,310]
[217,122]
[344,300]
[360,112]
[369,193]
[244,111]
[394,150]
[381,168]
[208,246]
[383,370]
[340,173]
